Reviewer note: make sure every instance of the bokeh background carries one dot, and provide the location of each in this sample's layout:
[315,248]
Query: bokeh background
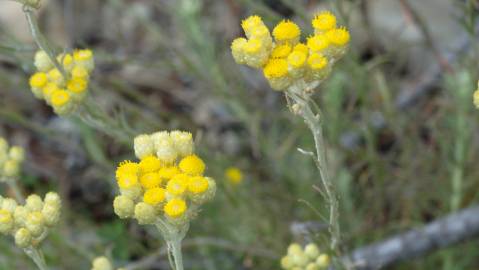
[401,128]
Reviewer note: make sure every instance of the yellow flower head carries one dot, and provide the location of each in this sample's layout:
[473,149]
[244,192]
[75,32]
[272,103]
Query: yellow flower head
[127,181]
[66,60]
[317,61]
[48,90]
[197,184]
[338,36]
[127,167]
[60,98]
[154,196]
[150,180]
[276,68]
[168,172]
[281,51]
[38,80]
[297,59]
[192,165]
[150,164]
[234,175]
[175,208]
[237,49]
[77,85]
[324,21]
[177,185]
[318,43]
[56,77]
[251,22]
[286,31]
[301,47]
[82,55]
[253,46]
[80,72]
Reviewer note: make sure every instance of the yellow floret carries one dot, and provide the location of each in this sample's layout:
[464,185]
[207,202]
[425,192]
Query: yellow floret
[56,77]
[126,181]
[168,172]
[252,46]
[251,22]
[237,47]
[38,80]
[234,175]
[324,21]
[48,90]
[77,85]
[281,51]
[150,164]
[66,60]
[338,36]
[317,61]
[197,185]
[150,180]
[127,167]
[286,31]
[192,165]
[276,68]
[80,72]
[177,185]
[60,98]
[297,59]
[154,196]
[175,208]
[301,47]
[318,43]
[82,55]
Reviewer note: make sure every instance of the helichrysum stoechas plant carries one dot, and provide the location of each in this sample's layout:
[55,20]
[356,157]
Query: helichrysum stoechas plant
[307,258]
[165,188]
[297,68]
[11,159]
[234,175]
[63,91]
[29,224]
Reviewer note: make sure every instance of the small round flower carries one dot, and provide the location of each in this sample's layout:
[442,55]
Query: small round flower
[9,204]
[311,250]
[165,151]
[251,22]
[317,61]
[297,59]
[281,51]
[312,266]
[51,213]
[339,36]
[126,181]
[145,213]
[20,215]
[324,21]
[237,50]
[11,168]
[300,259]
[318,43]
[183,142]
[123,206]
[55,76]
[6,221]
[276,68]
[48,91]
[323,261]
[150,164]
[197,184]
[77,86]
[286,31]
[253,46]
[37,82]
[101,263]
[286,262]
[84,58]
[150,180]
[66,60]
[42,61]
[35,223]
[294,248]
[175,208]
[52,198]
[23,238]
[177,185]
[154,196]
[234,175]
[168,172]
[61,102]
[16,153]
[143,145]
[133,192]
[192,165]
[301,47]
[80,72]
[127,167]
[34,203]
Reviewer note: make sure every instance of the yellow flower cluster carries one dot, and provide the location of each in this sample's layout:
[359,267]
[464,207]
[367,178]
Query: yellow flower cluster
[234,175]
[286,61]
[64,92]
[168,180]
[11,159]
[307,258]
[29,223]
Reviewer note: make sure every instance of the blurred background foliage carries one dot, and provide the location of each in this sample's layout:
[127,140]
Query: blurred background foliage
[399,120]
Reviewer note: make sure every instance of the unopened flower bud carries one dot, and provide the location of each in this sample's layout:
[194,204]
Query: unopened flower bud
[6,221]
[23,238]
[123,206]
[312,251]
[34,203]
[35,223]
[323,260]
[145,213]
[101,263]
[144,146]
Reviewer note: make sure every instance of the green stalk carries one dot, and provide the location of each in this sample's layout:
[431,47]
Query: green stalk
[37,257]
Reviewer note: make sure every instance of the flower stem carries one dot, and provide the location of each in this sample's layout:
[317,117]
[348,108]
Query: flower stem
[174,248]
[37,257]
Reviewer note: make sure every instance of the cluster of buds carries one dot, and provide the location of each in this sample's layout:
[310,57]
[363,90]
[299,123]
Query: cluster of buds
[29,223]
[11,158]
[167,185]
[102,263]
[307,258]
[64,89]
[286,61]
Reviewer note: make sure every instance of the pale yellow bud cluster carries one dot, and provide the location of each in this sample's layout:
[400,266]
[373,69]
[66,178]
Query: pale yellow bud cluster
[29,223]
[287,62]
[168,181]
[64,92]
[11,159]
[307,258]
